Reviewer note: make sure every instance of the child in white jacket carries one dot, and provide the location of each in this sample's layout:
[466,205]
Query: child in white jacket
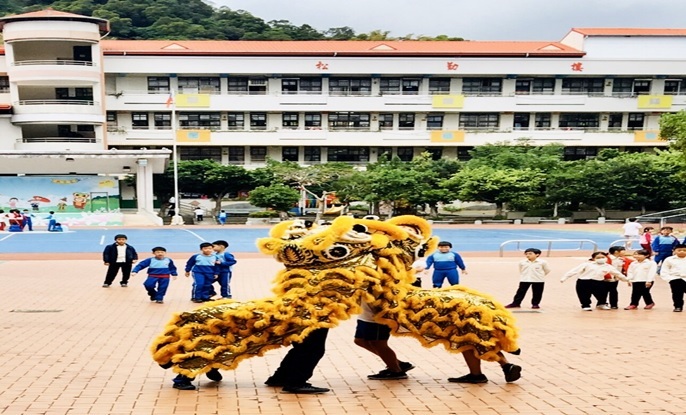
[590,276]
[642,274]
[674,271]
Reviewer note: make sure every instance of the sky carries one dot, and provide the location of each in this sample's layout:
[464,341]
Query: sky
[473,20]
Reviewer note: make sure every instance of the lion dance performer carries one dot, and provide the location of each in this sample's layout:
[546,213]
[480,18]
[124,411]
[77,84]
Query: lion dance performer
[329,271]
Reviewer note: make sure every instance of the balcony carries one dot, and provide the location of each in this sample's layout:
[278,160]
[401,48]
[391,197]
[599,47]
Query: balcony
[57,111]
[58,72]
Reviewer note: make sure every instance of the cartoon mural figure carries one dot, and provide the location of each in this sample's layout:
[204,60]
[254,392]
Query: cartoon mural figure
[62,204]
[80,200]
[13,202]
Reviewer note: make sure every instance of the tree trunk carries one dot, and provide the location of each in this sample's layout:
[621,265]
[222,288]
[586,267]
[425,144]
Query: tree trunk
[555,209]
[217,204]
[499,208]
[601,211]
[433,208]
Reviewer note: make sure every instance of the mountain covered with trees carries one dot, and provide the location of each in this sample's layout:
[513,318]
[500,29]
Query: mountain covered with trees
[193,19]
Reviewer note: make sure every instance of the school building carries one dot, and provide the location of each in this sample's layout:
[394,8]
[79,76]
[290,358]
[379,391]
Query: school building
[67,92]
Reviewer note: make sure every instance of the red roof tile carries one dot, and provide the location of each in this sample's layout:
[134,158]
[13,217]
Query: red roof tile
[338,48]
[50,14]
[619,31]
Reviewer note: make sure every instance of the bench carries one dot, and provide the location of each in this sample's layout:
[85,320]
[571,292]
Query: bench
[547,221]
[496,221]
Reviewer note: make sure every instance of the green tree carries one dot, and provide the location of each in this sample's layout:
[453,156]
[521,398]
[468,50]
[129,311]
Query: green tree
[277,197]
[213,179]
[673,128]
[496,185]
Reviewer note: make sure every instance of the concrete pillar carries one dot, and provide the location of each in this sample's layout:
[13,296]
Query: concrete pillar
[144,193]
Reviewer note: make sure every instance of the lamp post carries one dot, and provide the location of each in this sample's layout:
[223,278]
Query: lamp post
[177,219]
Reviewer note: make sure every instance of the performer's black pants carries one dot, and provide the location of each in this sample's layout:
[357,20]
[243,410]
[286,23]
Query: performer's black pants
[298,365]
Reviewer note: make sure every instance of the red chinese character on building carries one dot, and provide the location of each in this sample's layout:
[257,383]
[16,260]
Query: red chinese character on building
[452,66]
[578,67]
[323,66]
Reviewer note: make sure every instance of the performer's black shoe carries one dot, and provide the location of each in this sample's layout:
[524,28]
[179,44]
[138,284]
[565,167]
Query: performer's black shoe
[214,375]
[305,389]
[470,379]
[388,374]
[274,381]
[184,386]
[406,366]
[512,372]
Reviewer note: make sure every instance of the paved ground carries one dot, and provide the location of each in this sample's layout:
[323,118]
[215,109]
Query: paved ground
[72,347]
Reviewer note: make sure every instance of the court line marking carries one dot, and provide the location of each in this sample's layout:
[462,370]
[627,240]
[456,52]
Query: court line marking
[8,236]
[195,234]
[102,239]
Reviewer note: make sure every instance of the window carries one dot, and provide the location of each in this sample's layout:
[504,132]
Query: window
[583,86]
[290,120]
[257,86]
[236,155]
[615,121]
[385,121]
[463,153]
[406,153]
[385,152]
[439,86]
[479,121]
[521,121]
[537,86]
[112,123]
[349,120]
[542,120]
[200,120]
[201,153]
[158,85]
[313,121]
[482,86]
[675,87]
[139,120]
[289,154]
[301,86]
[258,154]
[236,120]
[162,120]
[435,152]
[199,85]
[624,87]
[77,94]
[313,154]
[580,153]
[579,121]
[406,121]
[349,154]
[350,86]
[258,120]
[636,121]
[434,122]
[411,86]
[238,85]
[389,86]
[4,84]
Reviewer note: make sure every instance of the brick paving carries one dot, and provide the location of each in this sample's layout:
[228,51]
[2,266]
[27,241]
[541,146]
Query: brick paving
[72,347]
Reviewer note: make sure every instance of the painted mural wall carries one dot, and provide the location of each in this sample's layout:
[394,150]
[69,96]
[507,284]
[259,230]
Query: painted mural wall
[76,200]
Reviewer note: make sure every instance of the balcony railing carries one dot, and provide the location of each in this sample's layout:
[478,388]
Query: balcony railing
[53,62]
[56,102]
[60,140]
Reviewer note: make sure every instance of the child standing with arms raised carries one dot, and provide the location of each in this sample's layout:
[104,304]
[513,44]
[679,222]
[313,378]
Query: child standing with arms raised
[532,272]
[160,269]
[589,276]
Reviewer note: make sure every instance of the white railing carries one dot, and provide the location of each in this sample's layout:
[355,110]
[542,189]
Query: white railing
[549,243]
[53,62]
[56,102]
[662,217]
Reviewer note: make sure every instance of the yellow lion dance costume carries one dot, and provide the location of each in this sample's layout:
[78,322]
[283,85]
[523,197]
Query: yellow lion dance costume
[328,271]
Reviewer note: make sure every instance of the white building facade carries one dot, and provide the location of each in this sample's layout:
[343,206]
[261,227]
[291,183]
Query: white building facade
[240,102]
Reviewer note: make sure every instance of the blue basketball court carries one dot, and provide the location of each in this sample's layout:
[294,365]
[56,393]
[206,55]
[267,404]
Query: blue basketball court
[243,239]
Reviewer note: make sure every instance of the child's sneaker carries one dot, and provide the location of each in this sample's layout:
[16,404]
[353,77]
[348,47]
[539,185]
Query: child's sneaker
[512,372]
[512,305]
[603,307]
[678,309]
[159,301]
[124,285]
[535,306]
[631,307]
[106,285]
[586,308]
[649,306]
[481,378]
[388,375]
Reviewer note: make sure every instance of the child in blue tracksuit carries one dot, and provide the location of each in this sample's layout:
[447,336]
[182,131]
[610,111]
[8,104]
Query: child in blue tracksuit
[51,221]
[224,270]
[663,244]
[160,269]
[204,268]
[445,263]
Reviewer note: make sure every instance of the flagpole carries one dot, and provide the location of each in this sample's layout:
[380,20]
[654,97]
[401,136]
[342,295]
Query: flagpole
[177,219]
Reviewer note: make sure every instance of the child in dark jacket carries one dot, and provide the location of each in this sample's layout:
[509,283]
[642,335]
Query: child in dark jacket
[160,268]
[119,255]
